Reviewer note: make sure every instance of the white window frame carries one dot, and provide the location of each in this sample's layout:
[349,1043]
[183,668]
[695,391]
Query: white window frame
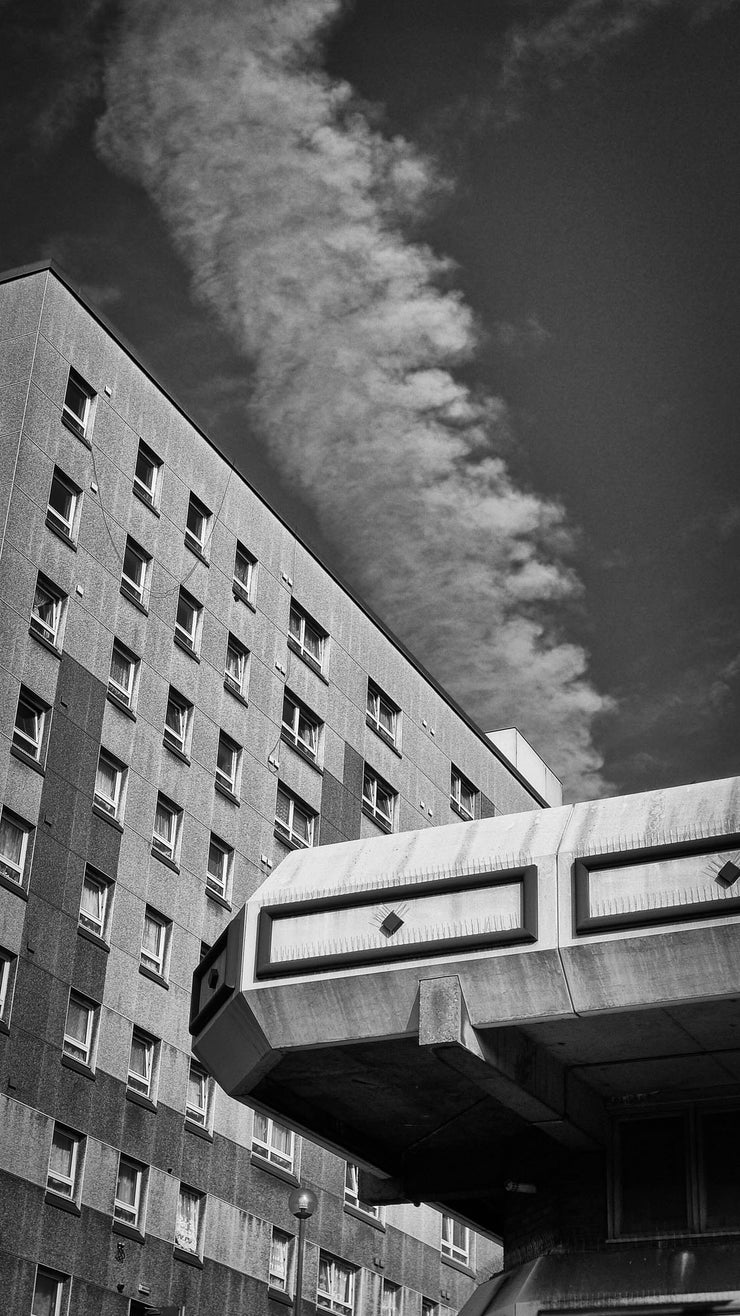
[183,1238]
[59,520]
[268,1142]
[142,1084]
[96,923]
[220,883]
[57,598]
[13,870]
[390,1299]
[179,740]
[131,1213]
[199,1112]
[197,538]
[78,420]
[125,694]
[156,961]
[299,625]
[244,569]
[285,829]
[33,745]
[188,636]
[455,1251]
[372,783]
[352,1192]
[149,492]
[460,786]
[66,1184]
[237,684]
[163,844]
[280,1264]
[60,1283]
[229,781]
[336,1271]
[112,805]
[296,717]
[74,1048]
[378,704]
[8,962]
[136,587]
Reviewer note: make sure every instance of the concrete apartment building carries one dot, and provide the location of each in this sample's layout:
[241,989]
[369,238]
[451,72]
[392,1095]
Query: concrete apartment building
[187,695]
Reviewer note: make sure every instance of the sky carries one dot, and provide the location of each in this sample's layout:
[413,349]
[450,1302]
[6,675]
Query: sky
[455,284]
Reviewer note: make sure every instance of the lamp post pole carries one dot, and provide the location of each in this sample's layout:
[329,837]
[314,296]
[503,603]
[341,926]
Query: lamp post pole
[302,1204]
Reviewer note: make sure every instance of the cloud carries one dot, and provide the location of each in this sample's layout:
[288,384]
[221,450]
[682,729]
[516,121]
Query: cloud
[523,338]
[289,208]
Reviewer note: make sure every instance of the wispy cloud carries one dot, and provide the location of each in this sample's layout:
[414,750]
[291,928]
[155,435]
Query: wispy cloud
[289,208]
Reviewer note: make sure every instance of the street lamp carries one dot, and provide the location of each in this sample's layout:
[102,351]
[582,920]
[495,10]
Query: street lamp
[302,1204]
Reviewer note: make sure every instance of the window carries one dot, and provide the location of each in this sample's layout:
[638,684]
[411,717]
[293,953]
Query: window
[187,622]
[455,1240]
[382,714]
[198,1101]
[196,529]
[48,1292]
[14,834]
[166,836]
[352,1192]
[124,674]
[155,942]
[128,1205]
[244,565]
[63,502]
[235,675]
[378,799]
[301,727]
[228,760]
[7,977]
[79,1030]
[147,474]
[28,732]
[390,1303]
[462,794]
[65,1159]
[294,822]
[306,636]
[429,1308]
[281,1262]
[189,1225]
[220,860]
[109,784]
[273,1142]
[141,1064]
[95,902]
[135,573]
[177,722]
[48,611]
[336,1287]
[77,408]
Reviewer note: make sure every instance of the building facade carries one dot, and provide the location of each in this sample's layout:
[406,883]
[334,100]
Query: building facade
[187,696]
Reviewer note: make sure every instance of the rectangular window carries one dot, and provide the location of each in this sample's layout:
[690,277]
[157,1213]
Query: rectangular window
[300,727]
[455,1240]
[390,1303]
[235,674]
[48,1293]
[306,636]
[128,1205]
[652,1178]
[147,474]
[429,1308]
[135,572]
[141,1064]
[64,496]
[220,861]
[30,717]
[462,794]
[382,714]
[167,827]
[294,821]
[109,784]
[79,1030]
[244,566]
[95,903]
[8,963]
[228,760]
[124,674]
[187,622]
[378,799]
[198,521]
[47,612]
[14,836]
[273,1142]
[281,1262]
[155,941]
[65,1159]
[336,1287]
[178,721]
[352,1192]
[77,408]
[189,1224]
[198,1101]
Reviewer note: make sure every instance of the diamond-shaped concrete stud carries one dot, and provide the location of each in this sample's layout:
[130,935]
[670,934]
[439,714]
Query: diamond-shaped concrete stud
[728,874]
[391,923]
